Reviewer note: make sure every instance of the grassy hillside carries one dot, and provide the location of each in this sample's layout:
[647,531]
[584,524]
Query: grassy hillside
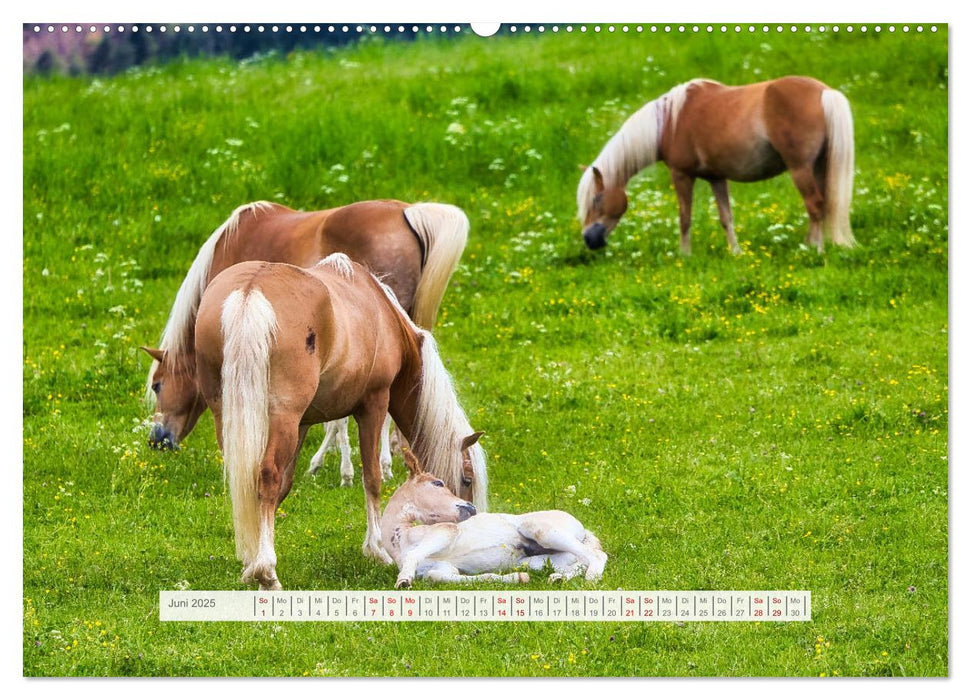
[777,420]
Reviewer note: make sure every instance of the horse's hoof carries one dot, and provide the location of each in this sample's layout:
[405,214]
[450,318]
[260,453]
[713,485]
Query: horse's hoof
[403,583]
[523,577]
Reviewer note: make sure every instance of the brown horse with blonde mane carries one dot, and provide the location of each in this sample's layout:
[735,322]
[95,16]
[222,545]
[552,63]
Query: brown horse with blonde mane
[413,248]
[703,129]
[280,348]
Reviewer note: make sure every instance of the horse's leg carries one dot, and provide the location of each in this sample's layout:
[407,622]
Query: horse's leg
[370,420]
[720,189]
[563,534]
[442,572]
[341,428]
[812,195]
[565,565]
[397,442]
[386,449]
[335,431]
[317,461]
[434,540]
[684,185]
[280,455]
[288,473]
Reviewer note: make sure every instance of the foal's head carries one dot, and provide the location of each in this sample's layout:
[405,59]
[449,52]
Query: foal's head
[604,207]
[178,402]
[425,499]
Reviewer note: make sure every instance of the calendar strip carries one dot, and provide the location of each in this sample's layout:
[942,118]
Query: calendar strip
[486,606]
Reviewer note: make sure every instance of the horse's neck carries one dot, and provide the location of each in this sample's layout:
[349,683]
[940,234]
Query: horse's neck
[404,397]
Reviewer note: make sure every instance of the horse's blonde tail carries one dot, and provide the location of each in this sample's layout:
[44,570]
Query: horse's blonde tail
[182,318]
[248,326]
[839,167]
[443,230]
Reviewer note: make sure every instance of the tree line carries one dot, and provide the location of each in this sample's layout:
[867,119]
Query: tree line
[100,52]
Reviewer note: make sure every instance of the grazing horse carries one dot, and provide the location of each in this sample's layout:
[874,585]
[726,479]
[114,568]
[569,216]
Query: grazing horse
[720,133]
[414,248]
[280,348]
[431,533]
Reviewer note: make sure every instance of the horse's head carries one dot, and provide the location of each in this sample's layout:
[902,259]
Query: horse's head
[178,402]
[425,499]
[600,207]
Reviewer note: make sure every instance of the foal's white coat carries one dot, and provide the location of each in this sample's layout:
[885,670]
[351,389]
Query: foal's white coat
[431,533]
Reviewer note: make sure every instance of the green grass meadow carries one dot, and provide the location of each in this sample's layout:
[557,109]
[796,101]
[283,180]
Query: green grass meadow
[776,420]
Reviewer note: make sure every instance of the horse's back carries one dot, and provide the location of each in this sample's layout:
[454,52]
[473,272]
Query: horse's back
[485,542]
[373,233]
[794,120]
[719,133]
[791,86]
[795,86]
[286,287]
[795,98]
[329,322]
[273,232]
[746,132]
[376,234]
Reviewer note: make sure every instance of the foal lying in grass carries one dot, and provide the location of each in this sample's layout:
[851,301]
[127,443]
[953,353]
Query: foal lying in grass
[433,534]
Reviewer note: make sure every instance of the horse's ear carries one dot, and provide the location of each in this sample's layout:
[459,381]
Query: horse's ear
[414,467]
[471,439]
[598,180]
[157,355]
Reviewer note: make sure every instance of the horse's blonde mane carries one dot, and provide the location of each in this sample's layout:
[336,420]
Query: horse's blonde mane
[339,262]
[635,145]
[181,323]
[443,425]
[440,419]
[393,298]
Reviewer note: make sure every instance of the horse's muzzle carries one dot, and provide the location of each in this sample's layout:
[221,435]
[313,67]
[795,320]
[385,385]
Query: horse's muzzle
[595,236]
[161,438]
[466,511]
